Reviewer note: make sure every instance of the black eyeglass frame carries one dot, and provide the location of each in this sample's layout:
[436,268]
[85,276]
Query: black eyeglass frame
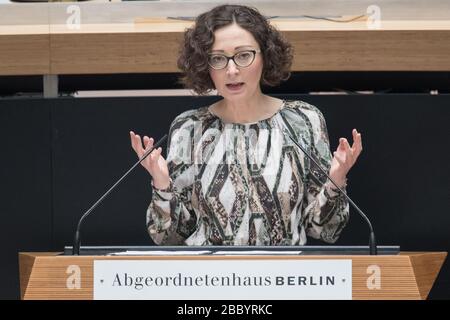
[254,51]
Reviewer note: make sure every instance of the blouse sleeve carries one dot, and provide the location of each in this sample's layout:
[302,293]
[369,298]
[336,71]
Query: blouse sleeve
[325,208]
[170,216]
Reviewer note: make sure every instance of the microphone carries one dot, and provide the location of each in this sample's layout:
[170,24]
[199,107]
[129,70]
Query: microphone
[372,241]
[76,242]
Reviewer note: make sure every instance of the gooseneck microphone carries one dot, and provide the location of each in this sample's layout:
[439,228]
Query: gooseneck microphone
[372,241]
[76,242]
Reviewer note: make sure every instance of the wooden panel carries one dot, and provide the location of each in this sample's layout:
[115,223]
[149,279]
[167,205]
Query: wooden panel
[151,45]
[371,50]
[426,268]
[398,281]
[26,263]
[24,54]
[114,53]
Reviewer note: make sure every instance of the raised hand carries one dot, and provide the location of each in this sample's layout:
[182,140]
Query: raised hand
[155,163]
[345,157]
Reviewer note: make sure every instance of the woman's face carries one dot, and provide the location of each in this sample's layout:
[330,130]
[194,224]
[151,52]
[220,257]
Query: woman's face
[230,40]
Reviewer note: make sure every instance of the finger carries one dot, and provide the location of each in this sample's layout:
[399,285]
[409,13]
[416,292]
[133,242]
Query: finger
[160,154]
[148,143]
[341,146]
[338,158]
[157,153]
[348,151]
[359,140]
[154,155]
[132,140]
[355,136]
[357,145]
[345,145]
[139,147]
[149,146]
[154,152]
[135,142]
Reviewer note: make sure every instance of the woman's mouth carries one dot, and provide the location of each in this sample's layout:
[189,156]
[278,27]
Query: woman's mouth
[235,86]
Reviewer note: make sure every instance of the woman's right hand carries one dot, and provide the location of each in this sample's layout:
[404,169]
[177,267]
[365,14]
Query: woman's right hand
[155,163]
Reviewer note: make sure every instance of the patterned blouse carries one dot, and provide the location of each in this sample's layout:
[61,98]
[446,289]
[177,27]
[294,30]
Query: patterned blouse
[247,184]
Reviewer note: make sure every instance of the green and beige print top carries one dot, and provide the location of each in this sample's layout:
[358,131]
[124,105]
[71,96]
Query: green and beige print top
[247,184]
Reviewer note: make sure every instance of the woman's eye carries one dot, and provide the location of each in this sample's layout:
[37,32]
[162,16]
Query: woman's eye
[244,55]
[216,58]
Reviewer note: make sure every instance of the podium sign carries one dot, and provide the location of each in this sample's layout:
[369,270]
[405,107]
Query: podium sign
[223,279]
[407,275]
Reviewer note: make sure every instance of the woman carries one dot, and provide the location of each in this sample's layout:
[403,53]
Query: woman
[232,177]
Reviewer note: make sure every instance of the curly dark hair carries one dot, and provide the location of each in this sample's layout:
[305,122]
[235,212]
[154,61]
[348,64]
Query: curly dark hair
[193,59]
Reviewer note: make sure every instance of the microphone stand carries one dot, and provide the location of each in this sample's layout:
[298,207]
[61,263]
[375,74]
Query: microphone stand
[372,240]
[76,241]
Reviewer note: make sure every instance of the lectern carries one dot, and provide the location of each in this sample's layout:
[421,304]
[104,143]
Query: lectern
[311,272]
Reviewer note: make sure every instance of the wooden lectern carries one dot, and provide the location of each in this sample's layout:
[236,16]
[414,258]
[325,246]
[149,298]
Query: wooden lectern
[407,275]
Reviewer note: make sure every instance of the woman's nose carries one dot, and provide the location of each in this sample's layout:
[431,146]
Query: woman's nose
[232,68]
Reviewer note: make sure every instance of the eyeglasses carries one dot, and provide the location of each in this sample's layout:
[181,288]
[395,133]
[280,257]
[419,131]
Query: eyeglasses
[242,59]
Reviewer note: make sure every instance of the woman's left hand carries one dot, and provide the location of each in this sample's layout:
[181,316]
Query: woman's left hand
[345,157]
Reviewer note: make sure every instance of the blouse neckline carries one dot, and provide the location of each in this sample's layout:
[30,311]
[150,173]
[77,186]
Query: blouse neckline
[248,123]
